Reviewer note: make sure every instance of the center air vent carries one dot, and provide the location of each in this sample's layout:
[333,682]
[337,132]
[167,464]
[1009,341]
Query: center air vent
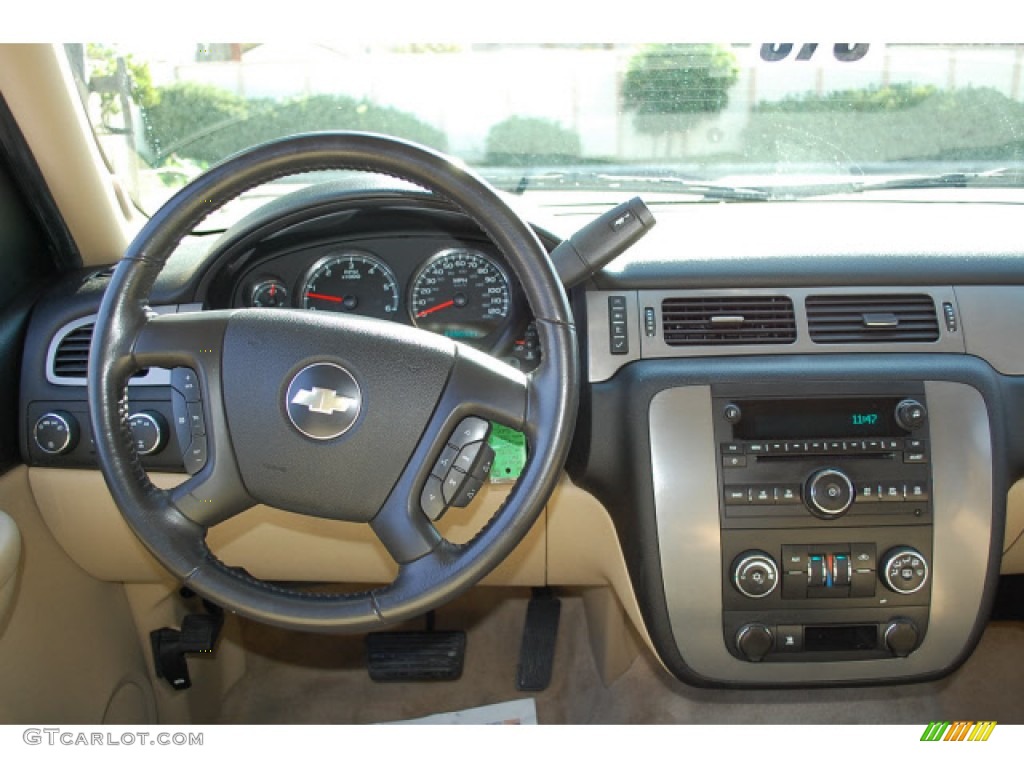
[734,320]
[872,318]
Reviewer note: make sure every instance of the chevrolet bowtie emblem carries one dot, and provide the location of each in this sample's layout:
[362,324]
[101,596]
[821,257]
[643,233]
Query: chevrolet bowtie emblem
[320,400]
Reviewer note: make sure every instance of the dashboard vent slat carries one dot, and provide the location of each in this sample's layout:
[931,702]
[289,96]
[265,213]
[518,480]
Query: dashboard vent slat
[856,319]
[72,357]
[716,321]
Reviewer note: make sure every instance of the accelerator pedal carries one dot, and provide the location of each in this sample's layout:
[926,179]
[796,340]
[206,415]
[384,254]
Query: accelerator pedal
[537,653]
[430,655]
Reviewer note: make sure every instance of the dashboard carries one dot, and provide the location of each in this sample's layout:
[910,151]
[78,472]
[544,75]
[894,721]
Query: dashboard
[804,438]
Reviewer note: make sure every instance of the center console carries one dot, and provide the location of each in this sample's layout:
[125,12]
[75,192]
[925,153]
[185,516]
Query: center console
[826,523]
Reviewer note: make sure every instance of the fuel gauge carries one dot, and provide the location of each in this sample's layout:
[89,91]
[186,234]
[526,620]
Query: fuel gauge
[268,293]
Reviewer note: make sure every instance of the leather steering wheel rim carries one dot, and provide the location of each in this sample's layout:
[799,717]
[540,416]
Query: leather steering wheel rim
[172,524]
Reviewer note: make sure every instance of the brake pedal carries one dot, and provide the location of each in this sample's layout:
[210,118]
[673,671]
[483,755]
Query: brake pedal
[429,655]
[537,653]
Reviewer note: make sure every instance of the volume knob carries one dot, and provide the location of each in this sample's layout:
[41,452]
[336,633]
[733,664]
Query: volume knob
[829,493]
[754,641]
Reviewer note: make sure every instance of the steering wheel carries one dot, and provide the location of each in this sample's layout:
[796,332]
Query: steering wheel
[328,415]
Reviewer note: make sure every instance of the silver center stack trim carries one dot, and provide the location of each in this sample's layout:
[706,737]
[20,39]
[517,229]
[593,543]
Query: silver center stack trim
[685,469]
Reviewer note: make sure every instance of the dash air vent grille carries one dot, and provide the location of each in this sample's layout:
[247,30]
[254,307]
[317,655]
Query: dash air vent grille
[733,320]
[868,318]
[72,357]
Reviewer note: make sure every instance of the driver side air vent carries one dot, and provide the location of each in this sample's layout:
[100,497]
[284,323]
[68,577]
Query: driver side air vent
[71,359]
[872,318]
[732,320]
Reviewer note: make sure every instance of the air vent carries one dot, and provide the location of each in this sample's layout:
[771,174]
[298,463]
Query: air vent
[871,318]
[71,361]
[720,321]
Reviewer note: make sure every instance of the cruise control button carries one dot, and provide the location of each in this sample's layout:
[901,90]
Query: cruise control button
[432,499]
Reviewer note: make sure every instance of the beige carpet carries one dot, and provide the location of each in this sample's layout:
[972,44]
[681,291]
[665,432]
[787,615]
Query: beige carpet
[299,678]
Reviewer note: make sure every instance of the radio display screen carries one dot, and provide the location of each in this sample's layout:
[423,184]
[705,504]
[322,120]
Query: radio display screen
[826,417]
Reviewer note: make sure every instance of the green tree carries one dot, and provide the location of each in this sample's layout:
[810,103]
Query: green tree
[531,141]
[669,87]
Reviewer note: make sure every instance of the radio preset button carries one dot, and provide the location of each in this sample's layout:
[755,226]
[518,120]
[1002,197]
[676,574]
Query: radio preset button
[757,448]
[891,492]
[735,449]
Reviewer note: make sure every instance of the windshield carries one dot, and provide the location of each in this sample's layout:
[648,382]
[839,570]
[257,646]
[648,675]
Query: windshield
[707,121]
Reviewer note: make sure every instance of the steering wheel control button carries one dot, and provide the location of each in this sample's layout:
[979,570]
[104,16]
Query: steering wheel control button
[195,457]
[432,499]
[323,401]
[149,432]
[56,433]
[467,491]
[196,422]
[754,574]
[470,430]
[829,493]
[464,461]
[904,570]
[187,383]
[444,461]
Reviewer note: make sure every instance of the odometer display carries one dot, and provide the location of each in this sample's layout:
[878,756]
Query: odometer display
[460,293]
[352,281]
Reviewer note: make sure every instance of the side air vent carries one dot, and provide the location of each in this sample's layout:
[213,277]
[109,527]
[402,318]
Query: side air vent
[871,318]
[67,359]
[71,360]
[720,321]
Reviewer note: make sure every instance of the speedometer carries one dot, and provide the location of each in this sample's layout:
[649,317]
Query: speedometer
[351,281]
[460,293]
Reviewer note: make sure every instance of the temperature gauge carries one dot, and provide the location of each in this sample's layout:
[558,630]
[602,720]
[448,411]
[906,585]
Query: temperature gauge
[269,293]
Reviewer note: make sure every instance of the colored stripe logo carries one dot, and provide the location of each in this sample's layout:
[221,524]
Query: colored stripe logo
[960,730]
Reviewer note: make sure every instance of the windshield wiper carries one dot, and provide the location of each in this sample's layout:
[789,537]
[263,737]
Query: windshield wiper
[996,177]
[598,181]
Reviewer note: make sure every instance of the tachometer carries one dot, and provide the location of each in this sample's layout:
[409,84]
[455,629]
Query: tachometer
[460,293]
[351,281]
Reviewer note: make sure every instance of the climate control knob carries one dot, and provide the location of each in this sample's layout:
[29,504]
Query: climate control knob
[829,493]
[904,570]
[149,432]
[56,432]
[755,574]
